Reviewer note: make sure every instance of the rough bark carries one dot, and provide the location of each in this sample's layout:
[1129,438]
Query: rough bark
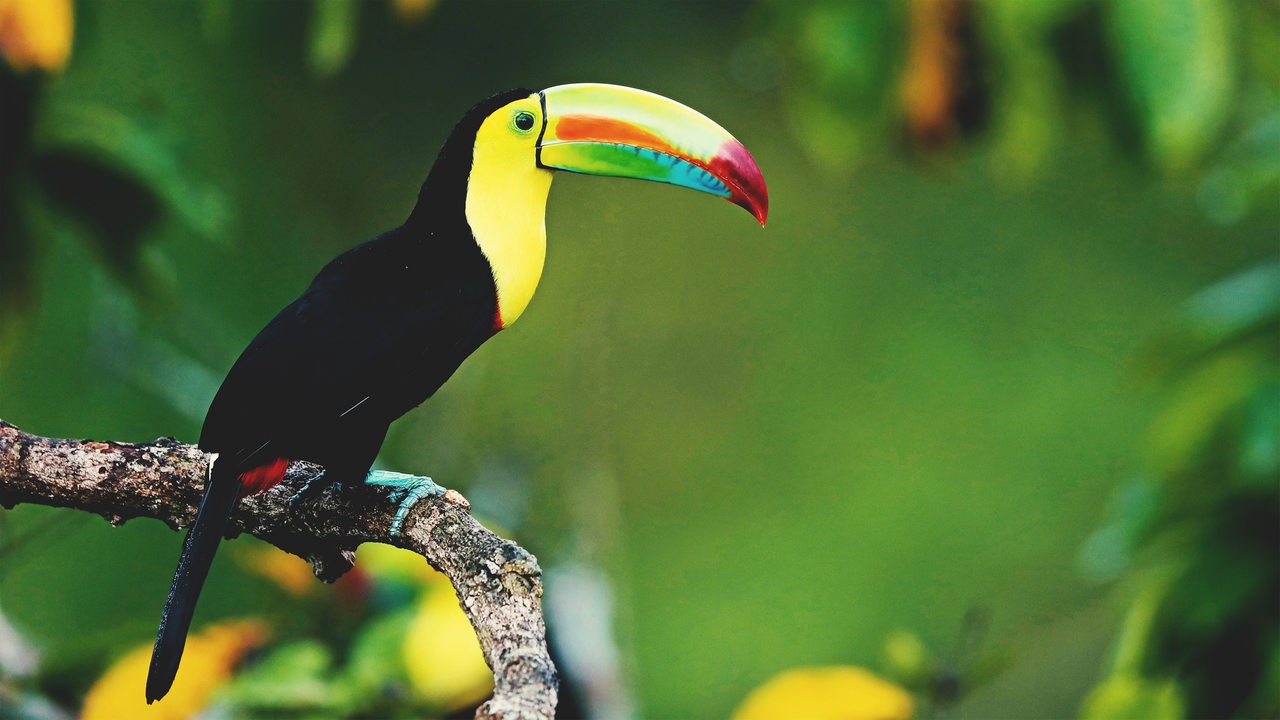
[498,583]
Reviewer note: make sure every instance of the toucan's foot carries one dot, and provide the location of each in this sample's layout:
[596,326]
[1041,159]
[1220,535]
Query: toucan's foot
[406,490]
[314,488]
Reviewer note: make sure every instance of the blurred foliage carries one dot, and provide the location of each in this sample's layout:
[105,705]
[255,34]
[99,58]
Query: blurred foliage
[413,653]
[1202,637]
[913,396]
[933,72]
[214,653]
[1177,64]
[940,677]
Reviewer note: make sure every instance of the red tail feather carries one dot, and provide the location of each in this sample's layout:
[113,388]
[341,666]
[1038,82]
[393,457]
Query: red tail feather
[263,478]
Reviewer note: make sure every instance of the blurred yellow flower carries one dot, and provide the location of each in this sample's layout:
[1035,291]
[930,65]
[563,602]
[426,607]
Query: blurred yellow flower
[36,33]
[826,693]
[210,657]
[442,656]
[392,563]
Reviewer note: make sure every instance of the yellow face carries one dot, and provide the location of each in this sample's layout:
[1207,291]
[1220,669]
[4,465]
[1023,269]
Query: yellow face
[507,202]
[596,130]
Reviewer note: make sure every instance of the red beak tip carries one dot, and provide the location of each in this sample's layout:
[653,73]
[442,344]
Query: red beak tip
[759,211]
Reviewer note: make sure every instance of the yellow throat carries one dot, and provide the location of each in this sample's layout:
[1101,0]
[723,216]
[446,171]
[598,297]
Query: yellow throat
[507,205]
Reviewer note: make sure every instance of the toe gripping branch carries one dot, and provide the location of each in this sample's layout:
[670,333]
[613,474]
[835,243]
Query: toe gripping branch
[406,490]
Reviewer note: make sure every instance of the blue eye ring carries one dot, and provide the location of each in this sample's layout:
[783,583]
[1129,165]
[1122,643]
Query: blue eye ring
[524,121]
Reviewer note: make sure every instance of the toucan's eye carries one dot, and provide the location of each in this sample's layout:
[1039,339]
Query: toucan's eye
[524,121]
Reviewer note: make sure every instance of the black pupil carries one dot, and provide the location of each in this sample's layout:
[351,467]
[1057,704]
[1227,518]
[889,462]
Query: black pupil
[524,121]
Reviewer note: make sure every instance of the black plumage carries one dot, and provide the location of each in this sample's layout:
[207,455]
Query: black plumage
[378,331]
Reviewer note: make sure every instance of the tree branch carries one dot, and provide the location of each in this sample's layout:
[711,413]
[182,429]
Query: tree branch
[498,583]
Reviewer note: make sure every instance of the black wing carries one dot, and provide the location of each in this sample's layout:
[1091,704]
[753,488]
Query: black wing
[376,333]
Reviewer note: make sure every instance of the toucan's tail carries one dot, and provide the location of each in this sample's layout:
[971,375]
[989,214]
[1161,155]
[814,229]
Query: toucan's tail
[193,567]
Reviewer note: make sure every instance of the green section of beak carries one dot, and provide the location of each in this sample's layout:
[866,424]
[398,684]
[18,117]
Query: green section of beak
[623,132]
[618,160]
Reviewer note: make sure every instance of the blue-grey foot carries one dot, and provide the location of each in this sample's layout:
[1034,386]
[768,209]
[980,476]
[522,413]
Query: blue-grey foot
[406,490]
[314,488]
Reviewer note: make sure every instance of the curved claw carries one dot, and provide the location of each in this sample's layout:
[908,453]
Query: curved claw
[406,490]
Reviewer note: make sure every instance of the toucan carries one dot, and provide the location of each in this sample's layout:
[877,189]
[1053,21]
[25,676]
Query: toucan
[384,325]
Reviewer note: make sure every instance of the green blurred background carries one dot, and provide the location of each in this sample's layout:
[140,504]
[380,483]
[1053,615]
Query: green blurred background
[920,403]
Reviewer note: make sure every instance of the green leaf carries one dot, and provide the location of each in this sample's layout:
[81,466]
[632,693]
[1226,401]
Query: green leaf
[1177,64]
[332,36]
[845,54]
[1232,308]
[376,659]
[295,676]
[1247,174]
[1183,438]
[1108,550]
[130,156]
[1030,92]
[1129,697]
[1260,441]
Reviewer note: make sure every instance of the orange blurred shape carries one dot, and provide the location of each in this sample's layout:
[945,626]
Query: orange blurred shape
[929,81]
[412,11]
[839,692]
[207,664]
[289,571]
[36,34]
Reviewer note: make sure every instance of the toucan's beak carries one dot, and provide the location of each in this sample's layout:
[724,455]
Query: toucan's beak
[613,130]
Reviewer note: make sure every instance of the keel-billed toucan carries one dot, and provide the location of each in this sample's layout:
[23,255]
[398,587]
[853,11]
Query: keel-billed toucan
[383,325]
